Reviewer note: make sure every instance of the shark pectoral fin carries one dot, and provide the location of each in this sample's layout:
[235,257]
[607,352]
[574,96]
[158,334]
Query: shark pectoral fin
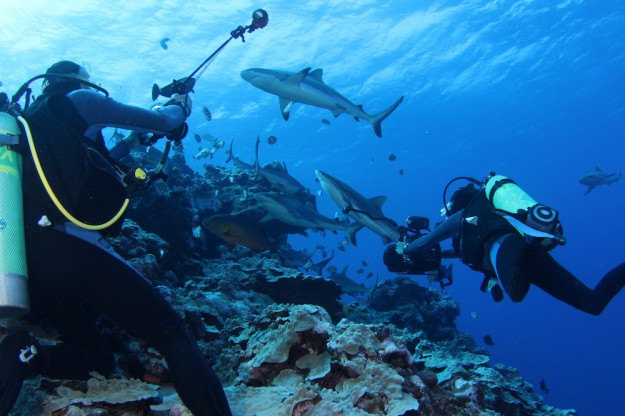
[378,201]
[295,79]
[351,232]
[267,217]
[285,107]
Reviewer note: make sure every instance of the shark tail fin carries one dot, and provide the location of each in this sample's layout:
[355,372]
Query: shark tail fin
[376,119]
[230,155]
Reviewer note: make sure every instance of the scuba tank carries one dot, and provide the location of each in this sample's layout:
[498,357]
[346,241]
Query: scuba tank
[536,221]
[13,274]
[506,195]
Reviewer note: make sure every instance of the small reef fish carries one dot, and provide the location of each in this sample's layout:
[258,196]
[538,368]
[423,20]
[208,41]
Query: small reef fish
[197,137]
[543,386]
[205,153]
[207,113]
[196,231]
[325,121]
[401,172]
[364,263]
[164,43]
[475,315]
[392,157]
[272,140]
[488,340]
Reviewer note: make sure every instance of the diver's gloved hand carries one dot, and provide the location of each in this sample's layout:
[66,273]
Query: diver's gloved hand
[399,247]
[183,101]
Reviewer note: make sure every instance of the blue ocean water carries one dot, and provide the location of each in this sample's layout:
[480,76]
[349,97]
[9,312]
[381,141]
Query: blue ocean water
[532,90]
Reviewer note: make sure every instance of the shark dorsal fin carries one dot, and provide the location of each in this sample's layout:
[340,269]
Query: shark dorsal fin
[285,107]
[296,78]
[317,74]
[378,201]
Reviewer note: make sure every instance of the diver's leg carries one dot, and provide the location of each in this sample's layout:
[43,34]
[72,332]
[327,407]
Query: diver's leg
[506,256]
[554,279]
[609,286]
[112,288]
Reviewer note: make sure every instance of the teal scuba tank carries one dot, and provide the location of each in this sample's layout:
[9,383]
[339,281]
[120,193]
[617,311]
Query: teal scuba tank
[533,220]
[13,274]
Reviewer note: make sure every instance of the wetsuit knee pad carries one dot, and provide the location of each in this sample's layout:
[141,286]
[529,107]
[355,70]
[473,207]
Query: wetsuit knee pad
[506,254]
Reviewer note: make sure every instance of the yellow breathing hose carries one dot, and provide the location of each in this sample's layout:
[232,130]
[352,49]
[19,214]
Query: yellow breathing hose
[42,176]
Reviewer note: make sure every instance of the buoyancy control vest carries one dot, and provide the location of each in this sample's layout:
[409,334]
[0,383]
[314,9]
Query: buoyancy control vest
[500,207]
[480,223]
[84,178]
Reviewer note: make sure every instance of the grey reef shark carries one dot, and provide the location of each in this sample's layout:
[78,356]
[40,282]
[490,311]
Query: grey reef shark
[599,177]
[366,212]
[307,87]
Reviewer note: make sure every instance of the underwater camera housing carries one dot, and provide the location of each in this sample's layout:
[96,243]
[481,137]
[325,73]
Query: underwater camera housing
[425,262]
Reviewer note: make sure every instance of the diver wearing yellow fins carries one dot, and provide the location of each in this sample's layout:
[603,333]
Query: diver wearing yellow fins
[499,230]
[73,188]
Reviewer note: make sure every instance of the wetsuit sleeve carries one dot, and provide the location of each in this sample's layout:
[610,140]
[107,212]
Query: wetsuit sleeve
[99,112]
[447,229]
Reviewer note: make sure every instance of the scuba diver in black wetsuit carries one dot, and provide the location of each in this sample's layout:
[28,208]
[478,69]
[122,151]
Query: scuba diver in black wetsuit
[501,231]
[74,275]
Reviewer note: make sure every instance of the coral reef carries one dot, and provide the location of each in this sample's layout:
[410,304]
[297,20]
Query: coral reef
[281,340]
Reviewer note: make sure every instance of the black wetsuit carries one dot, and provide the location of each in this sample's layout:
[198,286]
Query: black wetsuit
[477,226]
[74,276]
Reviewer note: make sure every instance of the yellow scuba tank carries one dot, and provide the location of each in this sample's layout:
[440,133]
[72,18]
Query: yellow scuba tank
[530,218]
[13,274]
[504,194]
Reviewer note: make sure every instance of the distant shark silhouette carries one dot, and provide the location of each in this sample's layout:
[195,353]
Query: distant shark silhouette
[599,177]
[307,87]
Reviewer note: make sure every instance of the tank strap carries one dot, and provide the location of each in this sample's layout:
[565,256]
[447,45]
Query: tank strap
[9,139]
[497,185]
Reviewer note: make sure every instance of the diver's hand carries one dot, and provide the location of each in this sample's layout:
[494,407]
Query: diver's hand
[399,247]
